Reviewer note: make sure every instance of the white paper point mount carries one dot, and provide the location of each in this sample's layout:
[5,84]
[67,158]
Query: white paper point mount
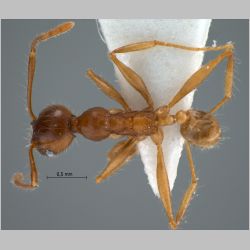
[164,70]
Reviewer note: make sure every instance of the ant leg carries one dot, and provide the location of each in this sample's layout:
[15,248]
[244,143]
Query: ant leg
[162,180]
[32,58]
[18,177]
[118,159]
[114,136]
[228,85]
[107,89]
[150,44]
[190,190]
[133,79]
[116,149]
[115,111]
[199,76]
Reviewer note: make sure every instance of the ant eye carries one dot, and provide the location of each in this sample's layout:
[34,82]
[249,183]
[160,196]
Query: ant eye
[49,153]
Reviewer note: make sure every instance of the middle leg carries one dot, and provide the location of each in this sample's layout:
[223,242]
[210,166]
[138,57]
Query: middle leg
[116,149]
[119,157]
[198,77]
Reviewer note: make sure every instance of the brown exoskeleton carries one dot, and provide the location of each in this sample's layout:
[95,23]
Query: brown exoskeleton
[54,128]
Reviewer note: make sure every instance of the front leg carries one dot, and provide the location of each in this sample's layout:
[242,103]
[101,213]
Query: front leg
[107,89]
[133,79]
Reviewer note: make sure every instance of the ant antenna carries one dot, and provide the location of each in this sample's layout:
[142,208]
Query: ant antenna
[62,28]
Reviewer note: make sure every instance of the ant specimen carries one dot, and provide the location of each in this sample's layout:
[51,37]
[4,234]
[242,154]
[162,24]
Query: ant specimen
[54,128]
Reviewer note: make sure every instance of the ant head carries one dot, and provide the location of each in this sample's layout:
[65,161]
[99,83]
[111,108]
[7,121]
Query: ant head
[52,132]
[201,129]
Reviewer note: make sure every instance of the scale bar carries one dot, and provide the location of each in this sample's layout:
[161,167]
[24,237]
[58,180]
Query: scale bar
[67,177]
